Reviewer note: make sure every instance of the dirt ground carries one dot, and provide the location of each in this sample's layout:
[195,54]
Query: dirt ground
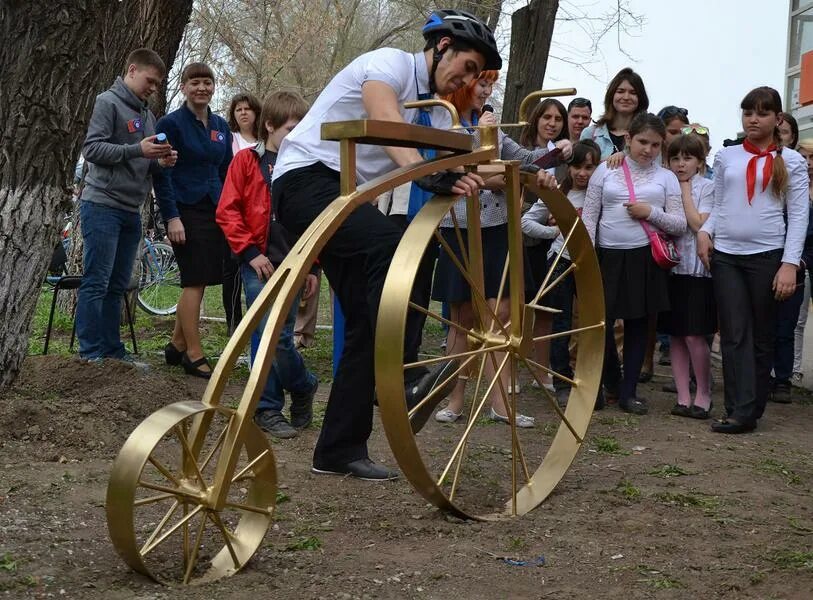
[653,507]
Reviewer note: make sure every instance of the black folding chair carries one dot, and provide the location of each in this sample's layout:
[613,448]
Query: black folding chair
[72,282]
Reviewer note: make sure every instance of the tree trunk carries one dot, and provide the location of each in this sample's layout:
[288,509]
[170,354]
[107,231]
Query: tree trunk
[531,33]
[54,58]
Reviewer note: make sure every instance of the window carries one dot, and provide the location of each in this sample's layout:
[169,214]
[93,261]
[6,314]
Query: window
[801,37]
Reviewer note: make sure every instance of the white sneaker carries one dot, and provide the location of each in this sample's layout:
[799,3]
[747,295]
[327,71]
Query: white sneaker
[511,389]
[547,386]
[796,379]
[445,415]
[523,421]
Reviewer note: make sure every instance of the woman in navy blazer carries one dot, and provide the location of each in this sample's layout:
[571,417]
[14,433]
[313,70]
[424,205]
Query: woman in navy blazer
[187,197]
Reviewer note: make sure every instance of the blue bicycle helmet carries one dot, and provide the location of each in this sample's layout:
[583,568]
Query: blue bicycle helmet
[465,26]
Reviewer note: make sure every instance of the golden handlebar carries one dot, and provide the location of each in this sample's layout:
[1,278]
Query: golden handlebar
[533,96]
[438,102]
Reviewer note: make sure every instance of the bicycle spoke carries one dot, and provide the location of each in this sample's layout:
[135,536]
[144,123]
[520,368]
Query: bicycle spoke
[556,260]
[558,279]
[153,499]
[546,309]
[465,445]
[217,445]
[430,361]
[511,414]
[227,537]
[161,525]
[248,508]
[250,465]
[168,490]
[446,321]
[474,289]
[558,334]
[552,401]
[503,279]
[147,549]
[553,373]
[439,387]
[190,457]
[459,234]
[163,470]
[470,424]
[194,557]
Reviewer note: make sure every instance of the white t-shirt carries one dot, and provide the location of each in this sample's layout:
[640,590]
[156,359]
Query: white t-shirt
[742,228]
[606,218]
[407,74]
[238,142]
[690,263]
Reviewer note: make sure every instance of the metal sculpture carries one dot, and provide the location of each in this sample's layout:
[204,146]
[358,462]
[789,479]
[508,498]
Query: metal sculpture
[202,476]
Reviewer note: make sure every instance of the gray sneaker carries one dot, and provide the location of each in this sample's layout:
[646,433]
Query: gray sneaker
[274,423]
[136,364]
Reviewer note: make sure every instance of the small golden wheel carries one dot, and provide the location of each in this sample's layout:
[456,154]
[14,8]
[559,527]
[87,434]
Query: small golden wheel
[476,468]
[166,516]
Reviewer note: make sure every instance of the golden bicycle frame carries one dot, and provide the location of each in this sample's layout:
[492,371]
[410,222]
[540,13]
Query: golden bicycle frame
[214,468]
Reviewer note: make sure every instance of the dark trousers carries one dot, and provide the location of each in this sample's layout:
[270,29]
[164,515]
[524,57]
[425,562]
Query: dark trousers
[232,287]
[421,295]
[636,333]
[747,309]
[561,297]
[355,261]
[787,315]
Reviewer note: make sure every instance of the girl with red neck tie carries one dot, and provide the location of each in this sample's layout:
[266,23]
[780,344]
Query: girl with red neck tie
[758,226]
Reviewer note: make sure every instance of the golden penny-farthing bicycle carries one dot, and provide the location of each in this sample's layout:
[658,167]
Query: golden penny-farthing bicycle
[193,490]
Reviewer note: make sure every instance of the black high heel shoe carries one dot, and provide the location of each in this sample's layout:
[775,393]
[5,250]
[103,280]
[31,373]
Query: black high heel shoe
[172,355]
[193,367]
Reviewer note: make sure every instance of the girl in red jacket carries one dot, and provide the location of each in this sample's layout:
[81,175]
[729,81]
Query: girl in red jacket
[260,243]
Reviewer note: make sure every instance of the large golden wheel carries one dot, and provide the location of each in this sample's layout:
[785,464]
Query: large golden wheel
[165,519]
[478,468]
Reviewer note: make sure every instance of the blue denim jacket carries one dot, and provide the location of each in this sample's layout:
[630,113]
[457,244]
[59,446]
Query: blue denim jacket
[601,136]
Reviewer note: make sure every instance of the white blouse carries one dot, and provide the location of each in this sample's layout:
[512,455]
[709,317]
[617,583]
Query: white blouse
[606,218]
[690,263]
[742,228]
[535,223]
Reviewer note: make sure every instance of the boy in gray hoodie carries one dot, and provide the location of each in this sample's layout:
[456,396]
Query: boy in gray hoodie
[122,157]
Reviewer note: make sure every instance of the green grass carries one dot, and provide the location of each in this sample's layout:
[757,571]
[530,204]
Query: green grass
[308,543]
[625,421]
[608,445]
[668,471]
[689,500]
[658,580]
[792,559]
[628,490]
[770,465]
[8,563]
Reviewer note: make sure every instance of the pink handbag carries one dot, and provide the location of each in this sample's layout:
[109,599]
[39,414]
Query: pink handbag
[664,251]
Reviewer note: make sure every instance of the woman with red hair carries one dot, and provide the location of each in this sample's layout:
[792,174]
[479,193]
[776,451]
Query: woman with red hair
[449,283]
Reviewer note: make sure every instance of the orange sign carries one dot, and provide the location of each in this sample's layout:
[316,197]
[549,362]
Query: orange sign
[806,79]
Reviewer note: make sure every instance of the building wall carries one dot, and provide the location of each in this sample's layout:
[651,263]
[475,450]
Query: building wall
[800,40]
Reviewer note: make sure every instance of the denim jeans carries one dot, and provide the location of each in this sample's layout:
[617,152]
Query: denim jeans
[787,316]
[111,238]
[288,372]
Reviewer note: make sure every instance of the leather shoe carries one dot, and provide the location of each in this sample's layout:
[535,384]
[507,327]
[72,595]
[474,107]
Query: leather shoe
[363,468]
[681,410]
[172,355]
[426,385]
[635,406]
[302,407]
[732,426]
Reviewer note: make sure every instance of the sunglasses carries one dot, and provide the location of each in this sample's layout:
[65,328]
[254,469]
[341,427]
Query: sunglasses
[699,129]
[672,111]
[580,103]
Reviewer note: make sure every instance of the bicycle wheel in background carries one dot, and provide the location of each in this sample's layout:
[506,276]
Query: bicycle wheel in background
[159,281]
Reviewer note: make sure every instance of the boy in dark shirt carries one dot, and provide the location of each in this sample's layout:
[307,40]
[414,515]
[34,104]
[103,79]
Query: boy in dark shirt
[246,216]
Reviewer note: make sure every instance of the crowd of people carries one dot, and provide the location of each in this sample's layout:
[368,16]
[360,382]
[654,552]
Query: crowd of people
[686,250]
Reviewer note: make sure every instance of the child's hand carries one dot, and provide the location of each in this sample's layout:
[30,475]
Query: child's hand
[262,267]
[487,118]
[784,282]
[704,248]
[638,210]
[614,160]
